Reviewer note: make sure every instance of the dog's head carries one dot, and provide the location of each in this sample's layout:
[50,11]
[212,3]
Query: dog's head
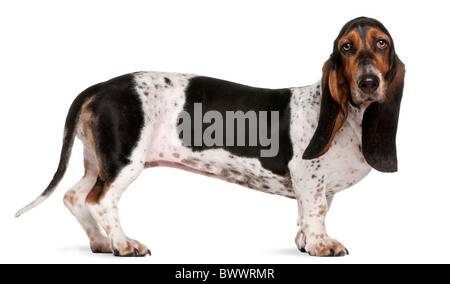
[365,71]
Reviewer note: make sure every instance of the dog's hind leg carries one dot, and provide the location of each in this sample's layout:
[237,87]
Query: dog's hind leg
[114,126]
[75,201]
[103,203]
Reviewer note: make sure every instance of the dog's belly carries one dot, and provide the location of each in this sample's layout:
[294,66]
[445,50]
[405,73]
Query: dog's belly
[220,164]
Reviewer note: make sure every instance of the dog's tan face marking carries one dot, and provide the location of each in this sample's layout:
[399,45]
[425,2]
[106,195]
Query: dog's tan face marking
[365,56]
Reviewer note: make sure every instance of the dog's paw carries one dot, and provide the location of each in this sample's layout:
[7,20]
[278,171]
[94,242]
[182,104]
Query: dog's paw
[300,241]
[100,247]
[129,247]
[325,247]
[99,243]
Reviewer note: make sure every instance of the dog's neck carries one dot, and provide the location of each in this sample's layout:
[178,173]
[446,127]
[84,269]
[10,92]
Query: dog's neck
[355,117]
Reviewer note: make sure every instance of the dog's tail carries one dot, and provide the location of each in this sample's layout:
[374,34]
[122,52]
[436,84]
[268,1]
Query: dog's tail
[68,140]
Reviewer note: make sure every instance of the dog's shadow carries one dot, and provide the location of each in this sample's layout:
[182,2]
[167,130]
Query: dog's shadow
[287,251]
[279,252]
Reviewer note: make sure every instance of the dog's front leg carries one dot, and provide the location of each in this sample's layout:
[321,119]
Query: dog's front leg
[312,237]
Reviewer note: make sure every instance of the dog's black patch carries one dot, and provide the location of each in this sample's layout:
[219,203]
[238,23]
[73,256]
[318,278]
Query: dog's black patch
[117,122]
[223,96]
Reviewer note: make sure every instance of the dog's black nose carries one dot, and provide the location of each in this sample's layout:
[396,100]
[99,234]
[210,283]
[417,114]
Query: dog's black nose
[368,83]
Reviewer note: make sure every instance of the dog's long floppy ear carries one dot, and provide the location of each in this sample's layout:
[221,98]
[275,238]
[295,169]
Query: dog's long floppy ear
[333,109]
[379,127]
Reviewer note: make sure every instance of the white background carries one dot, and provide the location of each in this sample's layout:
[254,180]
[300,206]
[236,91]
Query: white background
[50,51]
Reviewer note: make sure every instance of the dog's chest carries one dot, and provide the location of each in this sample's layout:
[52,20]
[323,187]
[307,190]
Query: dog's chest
[344,164]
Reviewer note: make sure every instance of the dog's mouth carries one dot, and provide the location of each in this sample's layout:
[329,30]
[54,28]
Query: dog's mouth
[361,98]
[362,101]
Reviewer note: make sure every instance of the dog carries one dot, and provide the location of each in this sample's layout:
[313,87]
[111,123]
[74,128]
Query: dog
[306,143]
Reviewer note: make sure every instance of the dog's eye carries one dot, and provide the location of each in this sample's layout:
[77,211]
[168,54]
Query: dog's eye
[347,46]
[382,44]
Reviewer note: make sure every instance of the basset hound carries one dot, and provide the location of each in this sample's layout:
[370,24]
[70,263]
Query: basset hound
[304,143]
